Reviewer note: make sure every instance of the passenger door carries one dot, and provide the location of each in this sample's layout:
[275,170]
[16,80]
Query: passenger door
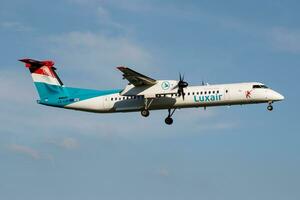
[107,103]
[227,96]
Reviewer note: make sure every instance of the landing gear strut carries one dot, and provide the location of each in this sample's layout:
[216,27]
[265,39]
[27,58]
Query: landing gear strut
[270,107]
[169,119]
[145,112]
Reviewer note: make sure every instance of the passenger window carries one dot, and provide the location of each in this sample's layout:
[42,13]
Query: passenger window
[217,91]
[209,92]
[193,93]
[188,93]
[112,99]
[116,98]
[205,92]
[201,92]
[214,92]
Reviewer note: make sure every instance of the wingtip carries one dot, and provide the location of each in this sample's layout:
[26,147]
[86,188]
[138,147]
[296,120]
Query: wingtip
[121,67]
[23,59]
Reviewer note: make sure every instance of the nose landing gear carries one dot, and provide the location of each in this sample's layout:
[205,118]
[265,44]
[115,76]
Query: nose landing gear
[270,107]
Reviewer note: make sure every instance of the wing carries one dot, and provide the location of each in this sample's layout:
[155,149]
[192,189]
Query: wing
[136,78]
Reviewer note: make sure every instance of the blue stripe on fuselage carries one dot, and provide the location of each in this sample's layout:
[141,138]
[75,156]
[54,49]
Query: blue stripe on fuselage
[55,95]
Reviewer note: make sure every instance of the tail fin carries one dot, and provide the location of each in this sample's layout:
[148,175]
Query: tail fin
[46,80]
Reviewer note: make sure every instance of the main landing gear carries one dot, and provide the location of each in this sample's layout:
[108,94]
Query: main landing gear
[147,103]
[169,119]
[270,106]
[145,113]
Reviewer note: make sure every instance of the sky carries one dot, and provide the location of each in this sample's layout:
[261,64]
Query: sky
[230,153]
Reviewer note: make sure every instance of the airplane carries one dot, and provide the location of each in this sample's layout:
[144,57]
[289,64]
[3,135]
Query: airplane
[143,94]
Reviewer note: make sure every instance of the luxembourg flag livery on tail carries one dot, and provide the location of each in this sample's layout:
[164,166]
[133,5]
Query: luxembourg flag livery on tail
[143,93]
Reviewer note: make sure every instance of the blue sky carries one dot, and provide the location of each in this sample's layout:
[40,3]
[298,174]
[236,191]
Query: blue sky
[241,152]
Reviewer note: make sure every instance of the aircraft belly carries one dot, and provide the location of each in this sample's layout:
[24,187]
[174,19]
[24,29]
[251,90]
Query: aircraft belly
[139,104]
[91,105]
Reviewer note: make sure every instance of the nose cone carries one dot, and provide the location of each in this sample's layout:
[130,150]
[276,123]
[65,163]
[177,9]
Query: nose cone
[280,97]
[275,96]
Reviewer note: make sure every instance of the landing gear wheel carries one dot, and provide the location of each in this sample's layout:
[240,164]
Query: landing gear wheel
[145,113]
[169,120]
[270,108]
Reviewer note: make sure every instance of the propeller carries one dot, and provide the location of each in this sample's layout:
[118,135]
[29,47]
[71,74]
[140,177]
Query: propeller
[181,85]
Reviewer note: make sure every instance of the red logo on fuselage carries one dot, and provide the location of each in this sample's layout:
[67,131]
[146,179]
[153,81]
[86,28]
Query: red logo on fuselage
[248,94]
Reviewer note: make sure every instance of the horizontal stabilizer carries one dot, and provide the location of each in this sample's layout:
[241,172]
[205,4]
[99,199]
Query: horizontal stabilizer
[31,63]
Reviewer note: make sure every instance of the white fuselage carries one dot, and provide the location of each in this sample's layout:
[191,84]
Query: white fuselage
[165,97]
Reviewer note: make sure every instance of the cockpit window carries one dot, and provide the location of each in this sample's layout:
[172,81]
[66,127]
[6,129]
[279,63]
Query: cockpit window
[259,86]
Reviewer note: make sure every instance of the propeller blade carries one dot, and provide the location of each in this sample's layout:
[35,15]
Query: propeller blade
[181,85]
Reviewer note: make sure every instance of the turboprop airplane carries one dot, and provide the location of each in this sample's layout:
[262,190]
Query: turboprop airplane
[143,93]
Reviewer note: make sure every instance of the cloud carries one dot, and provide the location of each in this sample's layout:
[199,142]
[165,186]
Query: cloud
[164,172]
[100,10]
[70,143]
[92,54]
[105,18]
[84,2]
[15,26]
[12,81]
[97,45]
[25,150]
[66,143]
[284,39]
[30,152]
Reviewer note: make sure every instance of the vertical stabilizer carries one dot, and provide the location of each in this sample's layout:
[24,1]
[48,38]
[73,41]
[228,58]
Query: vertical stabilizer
[46,80]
